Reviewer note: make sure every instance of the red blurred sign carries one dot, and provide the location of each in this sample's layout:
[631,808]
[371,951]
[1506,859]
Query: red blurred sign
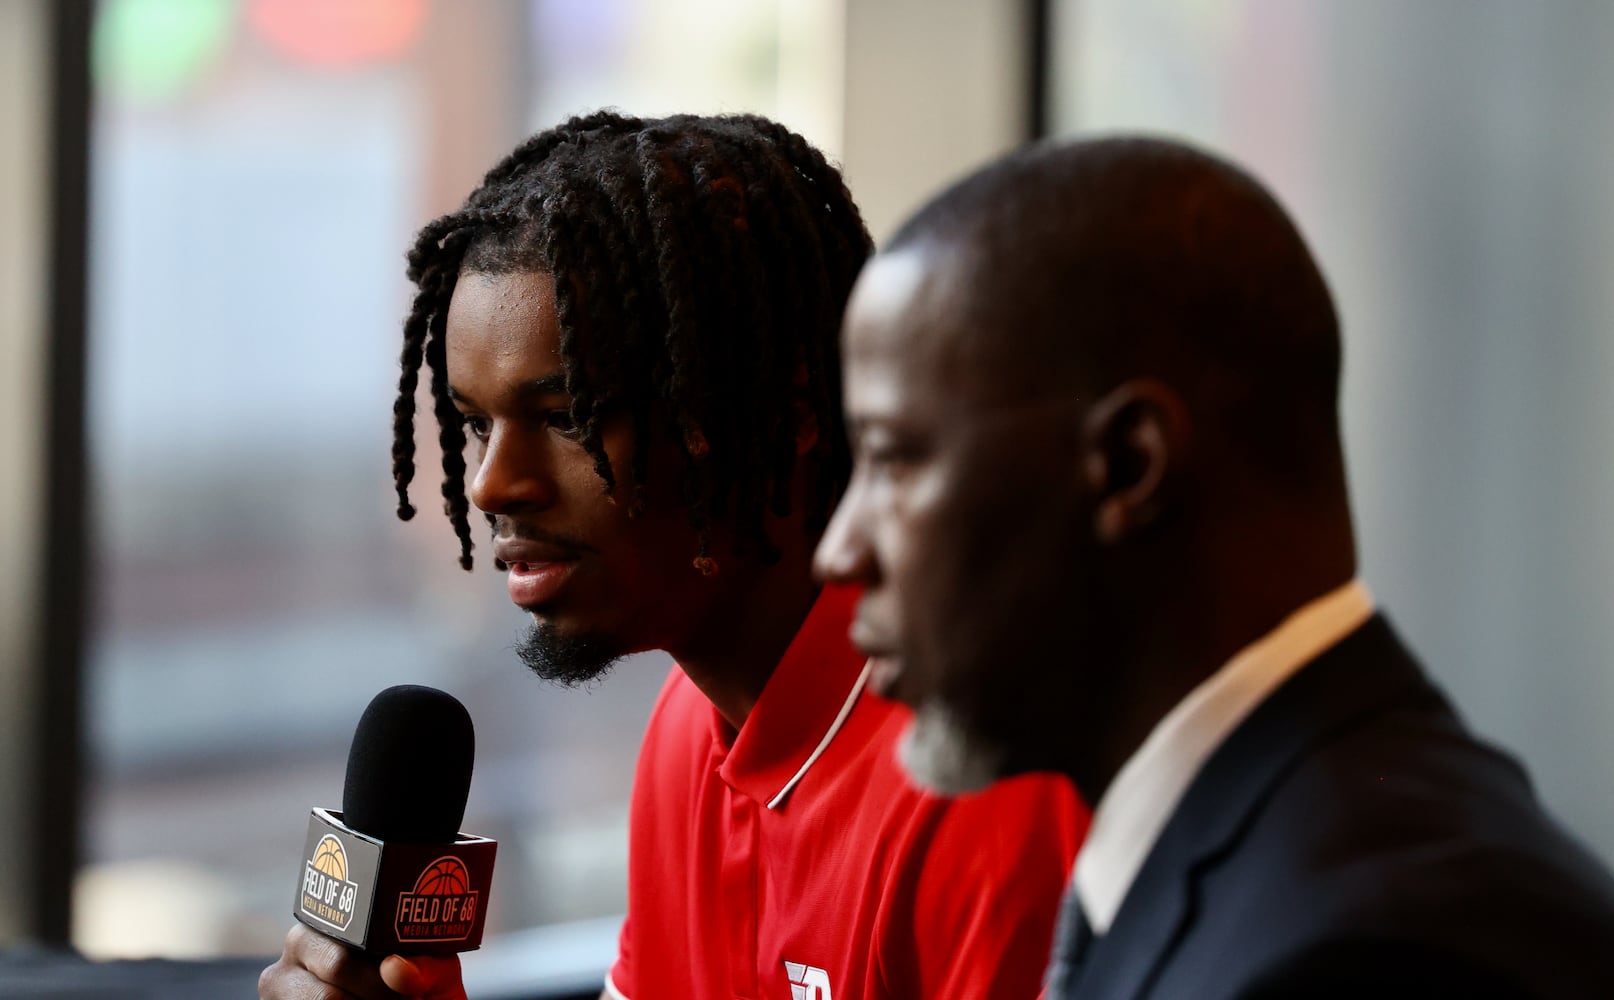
[349,33]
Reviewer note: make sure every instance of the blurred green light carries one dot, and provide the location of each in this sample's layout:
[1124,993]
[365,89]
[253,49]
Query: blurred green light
[153,50]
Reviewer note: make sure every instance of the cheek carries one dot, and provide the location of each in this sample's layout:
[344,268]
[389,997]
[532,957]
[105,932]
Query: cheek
[987,564]
[933,547]
[665,470]
[956,526]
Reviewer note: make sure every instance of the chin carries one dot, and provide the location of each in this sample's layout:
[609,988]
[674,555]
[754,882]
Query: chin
[942,755]
[568,658]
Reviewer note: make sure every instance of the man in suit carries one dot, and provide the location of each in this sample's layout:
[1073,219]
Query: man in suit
[1100,512]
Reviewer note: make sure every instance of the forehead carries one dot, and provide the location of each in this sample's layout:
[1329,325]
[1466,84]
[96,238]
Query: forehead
[901,310]
[915,331]
[505,322]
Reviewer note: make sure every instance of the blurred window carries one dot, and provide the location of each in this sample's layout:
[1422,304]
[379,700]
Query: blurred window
[259,169]
[1449,162]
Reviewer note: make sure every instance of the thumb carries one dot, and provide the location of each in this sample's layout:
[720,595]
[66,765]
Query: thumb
[424,977]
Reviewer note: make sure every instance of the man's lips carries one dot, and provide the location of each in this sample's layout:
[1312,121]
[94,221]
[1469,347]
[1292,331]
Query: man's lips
[885,673]
[885,666]
[538,569]
[535,584]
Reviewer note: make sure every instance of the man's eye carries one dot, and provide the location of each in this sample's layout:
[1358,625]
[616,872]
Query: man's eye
[561,422]
[887,457]
[477,427]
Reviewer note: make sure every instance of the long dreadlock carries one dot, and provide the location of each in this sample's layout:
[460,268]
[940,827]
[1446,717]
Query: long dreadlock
[717,254]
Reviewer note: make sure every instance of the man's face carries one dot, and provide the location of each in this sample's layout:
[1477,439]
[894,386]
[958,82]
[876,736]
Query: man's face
[966,524]
[598,583]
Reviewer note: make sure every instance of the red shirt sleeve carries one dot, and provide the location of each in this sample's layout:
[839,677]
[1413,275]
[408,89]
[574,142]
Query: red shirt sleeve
[987,894]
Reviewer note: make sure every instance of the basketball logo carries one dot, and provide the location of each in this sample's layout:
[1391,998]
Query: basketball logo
[442,907]
[327,895]
[444,877]
[330,859]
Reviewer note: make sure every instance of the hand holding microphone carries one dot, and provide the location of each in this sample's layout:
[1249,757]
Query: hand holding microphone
[390,875]
[315,966]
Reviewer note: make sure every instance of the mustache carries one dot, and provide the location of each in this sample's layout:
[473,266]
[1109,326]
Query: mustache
[505,527]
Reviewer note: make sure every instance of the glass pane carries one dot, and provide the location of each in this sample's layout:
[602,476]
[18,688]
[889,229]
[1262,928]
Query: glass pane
[259,168]
[1448,161]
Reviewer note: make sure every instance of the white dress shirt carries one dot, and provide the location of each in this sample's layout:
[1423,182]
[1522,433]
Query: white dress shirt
[1147,788]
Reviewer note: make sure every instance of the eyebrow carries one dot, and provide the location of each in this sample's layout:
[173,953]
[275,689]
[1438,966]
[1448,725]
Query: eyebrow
[548,385]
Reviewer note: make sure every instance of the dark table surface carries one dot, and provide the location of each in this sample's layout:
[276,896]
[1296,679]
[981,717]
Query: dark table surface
[28,973]
[43,974]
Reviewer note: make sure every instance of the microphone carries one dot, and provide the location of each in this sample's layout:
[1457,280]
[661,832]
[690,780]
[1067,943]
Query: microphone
[390,873]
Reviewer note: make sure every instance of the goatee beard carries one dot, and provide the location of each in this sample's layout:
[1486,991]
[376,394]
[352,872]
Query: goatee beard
[568,660]
[942,755]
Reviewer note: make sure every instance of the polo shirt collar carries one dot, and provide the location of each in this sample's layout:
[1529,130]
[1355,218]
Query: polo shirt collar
[804,704]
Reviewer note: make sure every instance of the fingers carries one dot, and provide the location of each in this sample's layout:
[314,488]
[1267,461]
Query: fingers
[425,977]
[315,967]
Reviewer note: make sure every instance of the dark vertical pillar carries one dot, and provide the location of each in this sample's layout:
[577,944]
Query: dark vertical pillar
[1039,15]
[62,563]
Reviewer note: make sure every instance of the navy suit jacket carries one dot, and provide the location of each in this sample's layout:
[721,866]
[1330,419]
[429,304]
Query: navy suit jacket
[1352,838]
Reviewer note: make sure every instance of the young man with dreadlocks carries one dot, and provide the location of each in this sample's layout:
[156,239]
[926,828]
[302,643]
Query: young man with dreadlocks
[635,323]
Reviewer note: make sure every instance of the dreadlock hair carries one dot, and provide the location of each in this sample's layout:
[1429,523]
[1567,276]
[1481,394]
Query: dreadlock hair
[701,265]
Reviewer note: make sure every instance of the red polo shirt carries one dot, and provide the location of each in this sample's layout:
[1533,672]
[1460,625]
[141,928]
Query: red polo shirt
[794,860]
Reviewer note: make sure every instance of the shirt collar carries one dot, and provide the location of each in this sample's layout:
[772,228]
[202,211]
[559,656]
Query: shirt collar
[802,707]
[1147,788]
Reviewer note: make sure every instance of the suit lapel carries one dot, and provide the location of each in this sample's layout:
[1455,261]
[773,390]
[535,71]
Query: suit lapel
[1359,676]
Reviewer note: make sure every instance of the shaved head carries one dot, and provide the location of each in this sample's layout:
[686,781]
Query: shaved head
[1125,257]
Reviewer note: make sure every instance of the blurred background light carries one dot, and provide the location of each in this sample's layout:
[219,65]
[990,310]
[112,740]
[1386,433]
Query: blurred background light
[150,51]
[341,34]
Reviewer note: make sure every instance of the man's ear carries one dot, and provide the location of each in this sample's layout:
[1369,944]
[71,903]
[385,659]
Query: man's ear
[1135,442]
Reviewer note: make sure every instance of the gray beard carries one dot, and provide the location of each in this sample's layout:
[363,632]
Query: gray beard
[570,661]
[941,755]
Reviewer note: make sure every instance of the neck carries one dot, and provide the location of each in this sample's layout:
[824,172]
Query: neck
[731,659]
[1177,639]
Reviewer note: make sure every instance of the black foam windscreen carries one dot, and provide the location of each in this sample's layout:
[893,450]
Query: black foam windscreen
[409,771]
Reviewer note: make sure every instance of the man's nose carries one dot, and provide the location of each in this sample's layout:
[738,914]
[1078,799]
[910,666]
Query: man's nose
[844,554]
[514,474]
